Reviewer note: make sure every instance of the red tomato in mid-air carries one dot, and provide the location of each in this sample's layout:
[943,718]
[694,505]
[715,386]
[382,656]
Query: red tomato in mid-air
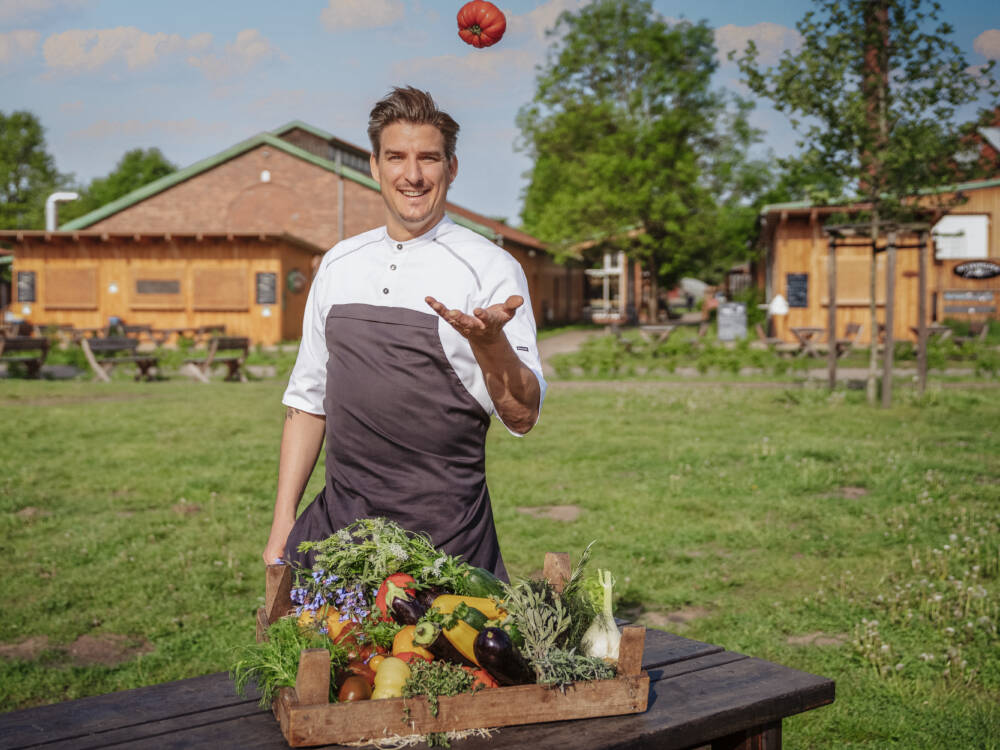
[481,23]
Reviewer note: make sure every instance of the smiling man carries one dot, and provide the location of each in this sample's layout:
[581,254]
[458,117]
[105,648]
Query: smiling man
[414,334]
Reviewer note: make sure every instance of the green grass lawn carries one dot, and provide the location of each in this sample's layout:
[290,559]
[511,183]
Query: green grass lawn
[784,523]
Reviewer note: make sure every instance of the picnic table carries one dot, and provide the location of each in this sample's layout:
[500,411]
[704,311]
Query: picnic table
[700,695]
[939,332]
[808,337]
[657,334]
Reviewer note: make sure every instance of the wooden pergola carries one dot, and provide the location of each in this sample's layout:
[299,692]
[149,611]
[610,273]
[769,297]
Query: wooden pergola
[852,235]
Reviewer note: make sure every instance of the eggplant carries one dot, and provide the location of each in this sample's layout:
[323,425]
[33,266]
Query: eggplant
[406,610]
[428,595]
[496,653]
[431,637]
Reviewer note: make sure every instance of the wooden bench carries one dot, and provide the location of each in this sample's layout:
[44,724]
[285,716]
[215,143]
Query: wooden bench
[29,351]
[978,331]
[103,354]
[231,351]
[851,335]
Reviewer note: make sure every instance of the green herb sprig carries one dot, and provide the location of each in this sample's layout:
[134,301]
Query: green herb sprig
[371,549]
[434,679]
[274,663]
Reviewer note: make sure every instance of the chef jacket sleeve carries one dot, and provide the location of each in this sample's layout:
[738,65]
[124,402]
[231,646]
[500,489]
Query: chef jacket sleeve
[307,384]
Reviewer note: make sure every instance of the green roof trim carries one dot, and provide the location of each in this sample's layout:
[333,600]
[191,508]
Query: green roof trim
[268,139]
[318,132]
[175,178]
[474,226]
[973,185]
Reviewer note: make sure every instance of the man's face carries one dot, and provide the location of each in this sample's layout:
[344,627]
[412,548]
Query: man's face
[414,176]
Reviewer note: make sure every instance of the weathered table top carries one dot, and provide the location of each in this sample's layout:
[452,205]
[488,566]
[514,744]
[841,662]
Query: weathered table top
[699,694]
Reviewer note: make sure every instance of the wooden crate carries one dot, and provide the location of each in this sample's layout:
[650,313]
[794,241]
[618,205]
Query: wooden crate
[307,718]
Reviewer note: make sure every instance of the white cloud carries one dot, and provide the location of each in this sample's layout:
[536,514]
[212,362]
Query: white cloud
[27,11]
[772,39]
[250,48]
[104,129]
[15,46]
[341,15]
[88,50]
[536,22]
[987,44]
[469,69]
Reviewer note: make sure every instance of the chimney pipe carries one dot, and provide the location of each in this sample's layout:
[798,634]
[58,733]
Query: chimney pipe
[50,208]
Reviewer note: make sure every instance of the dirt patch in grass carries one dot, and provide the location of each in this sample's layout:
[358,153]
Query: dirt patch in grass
[184,508]
[25,650]
[677,619]
[106,649]
[565,513]
[30,513]
[853,493]
[818,638]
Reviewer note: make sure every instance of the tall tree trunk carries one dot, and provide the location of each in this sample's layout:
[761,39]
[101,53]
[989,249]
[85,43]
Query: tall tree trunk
[876,90]
[653,309]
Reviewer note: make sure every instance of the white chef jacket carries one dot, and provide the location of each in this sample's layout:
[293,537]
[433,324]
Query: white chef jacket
[458,267]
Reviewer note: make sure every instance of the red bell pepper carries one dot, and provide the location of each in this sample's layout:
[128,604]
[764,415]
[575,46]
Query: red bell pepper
[391,587]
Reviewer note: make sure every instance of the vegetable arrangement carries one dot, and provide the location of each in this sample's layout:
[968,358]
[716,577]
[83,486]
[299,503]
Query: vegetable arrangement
[401,618]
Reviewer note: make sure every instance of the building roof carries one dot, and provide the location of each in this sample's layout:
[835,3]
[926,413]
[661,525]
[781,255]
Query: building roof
[19,235]
[805,206]
[483,225]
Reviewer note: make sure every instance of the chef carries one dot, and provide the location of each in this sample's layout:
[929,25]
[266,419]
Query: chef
[414,334]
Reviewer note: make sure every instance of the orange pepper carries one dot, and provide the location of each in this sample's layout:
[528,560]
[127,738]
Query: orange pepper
[403,643]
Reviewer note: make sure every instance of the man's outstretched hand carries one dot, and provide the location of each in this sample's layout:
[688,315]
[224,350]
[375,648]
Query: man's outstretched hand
[484,325]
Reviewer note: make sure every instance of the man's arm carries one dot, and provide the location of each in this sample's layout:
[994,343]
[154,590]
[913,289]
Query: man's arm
[512,386]
[301,441]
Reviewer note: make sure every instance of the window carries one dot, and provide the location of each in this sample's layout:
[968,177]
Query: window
[267,288]
[962,236]
[26,286]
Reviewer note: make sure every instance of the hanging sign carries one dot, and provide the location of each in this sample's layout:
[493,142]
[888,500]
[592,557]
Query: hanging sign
[977,269]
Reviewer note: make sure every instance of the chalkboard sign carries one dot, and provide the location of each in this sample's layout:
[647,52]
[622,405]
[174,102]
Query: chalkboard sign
[25,286]
[798,289]
[732,321]
[267,288]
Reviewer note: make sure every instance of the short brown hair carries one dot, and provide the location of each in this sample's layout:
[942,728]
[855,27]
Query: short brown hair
[409,104]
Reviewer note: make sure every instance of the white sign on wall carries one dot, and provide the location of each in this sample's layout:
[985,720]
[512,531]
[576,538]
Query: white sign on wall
[962,236]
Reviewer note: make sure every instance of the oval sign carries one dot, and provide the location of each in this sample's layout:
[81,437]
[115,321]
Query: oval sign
[977,269]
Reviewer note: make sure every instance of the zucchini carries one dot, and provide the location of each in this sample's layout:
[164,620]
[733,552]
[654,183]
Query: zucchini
[481,582]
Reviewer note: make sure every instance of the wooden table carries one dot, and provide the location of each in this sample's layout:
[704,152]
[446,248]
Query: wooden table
[700,695]
[933,331]
[657,334]
[806,336]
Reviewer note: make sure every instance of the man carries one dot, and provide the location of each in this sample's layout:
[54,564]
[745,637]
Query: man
[401,385]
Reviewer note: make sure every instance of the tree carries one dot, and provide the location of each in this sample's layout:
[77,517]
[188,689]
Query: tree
[875,89]
[622,131]
[27,172]
[136,168]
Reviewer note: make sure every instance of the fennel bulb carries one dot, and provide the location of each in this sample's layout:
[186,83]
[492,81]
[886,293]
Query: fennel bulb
[602,637]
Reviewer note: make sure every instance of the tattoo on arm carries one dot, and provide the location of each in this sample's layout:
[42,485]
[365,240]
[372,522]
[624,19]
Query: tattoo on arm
[291,411]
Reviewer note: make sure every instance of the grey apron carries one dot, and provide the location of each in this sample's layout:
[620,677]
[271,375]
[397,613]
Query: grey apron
[404,438]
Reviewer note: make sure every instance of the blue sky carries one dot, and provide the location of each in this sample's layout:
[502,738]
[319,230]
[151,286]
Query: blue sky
[193,78]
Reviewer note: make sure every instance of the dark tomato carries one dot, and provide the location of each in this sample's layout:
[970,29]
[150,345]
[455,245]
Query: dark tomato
[355,688]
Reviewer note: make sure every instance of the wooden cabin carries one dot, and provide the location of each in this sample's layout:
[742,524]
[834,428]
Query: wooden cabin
[963,264]
[253,284]
[268,205]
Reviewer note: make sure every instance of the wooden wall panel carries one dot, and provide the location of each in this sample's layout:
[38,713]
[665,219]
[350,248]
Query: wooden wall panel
[70,287]
[220,289]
